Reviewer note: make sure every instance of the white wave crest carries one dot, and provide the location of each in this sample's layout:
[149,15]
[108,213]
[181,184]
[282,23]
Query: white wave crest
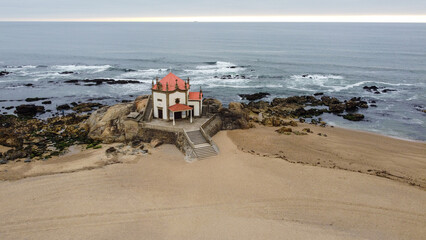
[148,73]
[89,68]
[217,68]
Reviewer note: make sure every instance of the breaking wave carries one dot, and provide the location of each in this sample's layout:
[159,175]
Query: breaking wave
[148,73]
[215,68]
[88,68]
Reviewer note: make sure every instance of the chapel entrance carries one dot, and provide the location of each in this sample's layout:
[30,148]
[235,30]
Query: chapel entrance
[178,115]
[160,113]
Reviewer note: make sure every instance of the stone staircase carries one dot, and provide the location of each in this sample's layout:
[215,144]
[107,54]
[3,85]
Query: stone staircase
[202,148]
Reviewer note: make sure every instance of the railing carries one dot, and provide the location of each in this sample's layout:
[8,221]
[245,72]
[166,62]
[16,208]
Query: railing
[191,143]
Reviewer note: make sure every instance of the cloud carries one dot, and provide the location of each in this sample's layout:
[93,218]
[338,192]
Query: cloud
[77,9]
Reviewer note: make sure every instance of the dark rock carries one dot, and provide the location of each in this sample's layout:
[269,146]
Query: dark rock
[94,82]
[72,81]
[63,107]
[46,102]
[255,96]
[388,90]
[329,100]
[29,110]
[34,99]
[3,161]
[373,105]
[8,108]
[318,94]
[4,73]
[336,108]
[354,117]
[86,107]
[66,72]
[371,88]
[28,85]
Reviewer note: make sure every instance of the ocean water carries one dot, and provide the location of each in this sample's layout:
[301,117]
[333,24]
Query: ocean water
[225,59]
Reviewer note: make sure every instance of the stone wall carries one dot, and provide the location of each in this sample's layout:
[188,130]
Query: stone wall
[213,126]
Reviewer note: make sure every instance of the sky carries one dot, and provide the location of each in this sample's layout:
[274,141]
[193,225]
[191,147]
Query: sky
[212,10]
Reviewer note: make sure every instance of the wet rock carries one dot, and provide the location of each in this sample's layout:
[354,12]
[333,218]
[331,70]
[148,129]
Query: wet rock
[29,110]
[67,72]
[388,90]
[63,107]
[254,96]
[94,82]
[86,107]
[46,102]
[318,94]
[336,108]
[354,117]
[29,85]
[326,100]
[8,108]
[4,73]
[371,88]
[35,99]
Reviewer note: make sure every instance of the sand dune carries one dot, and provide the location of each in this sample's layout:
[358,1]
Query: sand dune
[235,195]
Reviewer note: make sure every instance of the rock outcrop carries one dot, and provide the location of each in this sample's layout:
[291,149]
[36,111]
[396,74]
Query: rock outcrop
[110,124]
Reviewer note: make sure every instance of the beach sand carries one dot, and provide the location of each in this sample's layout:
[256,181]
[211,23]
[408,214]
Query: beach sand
[235,195]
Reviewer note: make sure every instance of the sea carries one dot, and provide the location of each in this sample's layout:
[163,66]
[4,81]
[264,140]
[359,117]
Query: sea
[224,60]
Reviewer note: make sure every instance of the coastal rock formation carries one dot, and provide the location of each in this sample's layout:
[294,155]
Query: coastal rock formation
[35,138]
[110,124]
[234,117]
[211,106]
[254,96]
[29,110]
[354,116]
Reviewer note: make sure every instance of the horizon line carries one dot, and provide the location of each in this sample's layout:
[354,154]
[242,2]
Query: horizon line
[291,18]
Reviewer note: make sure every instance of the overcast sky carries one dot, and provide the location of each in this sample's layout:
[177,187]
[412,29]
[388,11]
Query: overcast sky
[78,9]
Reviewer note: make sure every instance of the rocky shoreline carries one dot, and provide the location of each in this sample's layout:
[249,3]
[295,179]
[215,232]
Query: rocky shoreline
[37,139]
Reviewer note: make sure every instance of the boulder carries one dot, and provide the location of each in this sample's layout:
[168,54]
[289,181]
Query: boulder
[4,73]
[326,100]
[254,96]
[85,107]
[211,105]
[63,107]
[354,116]
[336,108]
[29,110]
[35,99]
[110,124]
[46,102]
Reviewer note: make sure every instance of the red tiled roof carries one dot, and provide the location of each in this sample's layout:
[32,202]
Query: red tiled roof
[179,107]
[170,79]
[195,95]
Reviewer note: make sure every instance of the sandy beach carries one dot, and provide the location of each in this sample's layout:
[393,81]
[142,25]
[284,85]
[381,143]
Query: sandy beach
[239,194]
